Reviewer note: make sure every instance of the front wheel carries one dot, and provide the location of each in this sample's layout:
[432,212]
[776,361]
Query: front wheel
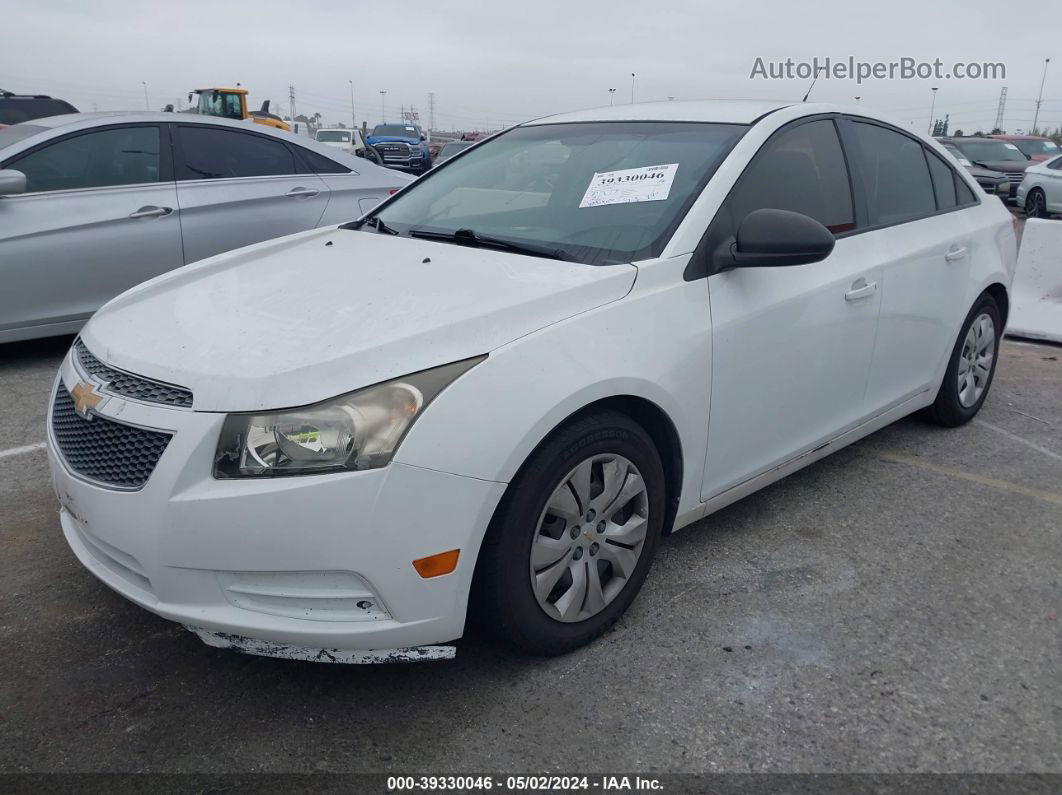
[574,537]
[1036,204]
[972,366]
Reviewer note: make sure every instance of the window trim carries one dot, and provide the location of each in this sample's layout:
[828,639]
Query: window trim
[165,158]
[926,149]
[178,154]
[700,265]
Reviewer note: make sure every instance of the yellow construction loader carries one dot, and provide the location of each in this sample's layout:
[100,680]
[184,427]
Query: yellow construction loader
[231,103]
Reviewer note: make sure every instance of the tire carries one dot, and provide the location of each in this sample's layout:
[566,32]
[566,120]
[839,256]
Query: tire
[1036,204]
[535,521]
[956,403]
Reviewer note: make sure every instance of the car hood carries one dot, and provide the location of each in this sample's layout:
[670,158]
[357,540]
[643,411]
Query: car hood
[977,171]
[380,139]
[310,316]
[1006,166]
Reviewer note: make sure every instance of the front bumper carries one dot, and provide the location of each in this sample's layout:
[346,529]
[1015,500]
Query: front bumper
[287,567]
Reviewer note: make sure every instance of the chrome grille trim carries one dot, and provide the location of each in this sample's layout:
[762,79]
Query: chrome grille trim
[135,387]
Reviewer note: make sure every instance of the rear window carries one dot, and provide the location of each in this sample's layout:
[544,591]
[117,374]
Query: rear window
[15,110]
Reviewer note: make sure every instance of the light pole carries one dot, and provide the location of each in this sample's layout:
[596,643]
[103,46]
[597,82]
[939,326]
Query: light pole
[857,100]
[147,105]
[611,95]
[353,122]
[632,88]
[383,111]
[932,106]
[1040,98]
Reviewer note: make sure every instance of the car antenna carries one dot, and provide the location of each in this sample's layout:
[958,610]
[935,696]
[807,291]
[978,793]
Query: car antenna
[812,87]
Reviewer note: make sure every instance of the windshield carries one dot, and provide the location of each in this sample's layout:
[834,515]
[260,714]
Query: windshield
[991,151]
[334,136]
[16,132]
[452,149]
[1030,148]
[957,154]
[396,130]
[599,193]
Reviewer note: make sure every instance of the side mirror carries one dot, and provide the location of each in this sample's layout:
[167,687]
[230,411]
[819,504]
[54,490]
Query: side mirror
[772,238]
[12,182]
[423,138]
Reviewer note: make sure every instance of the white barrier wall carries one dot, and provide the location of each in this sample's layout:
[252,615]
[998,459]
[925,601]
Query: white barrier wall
[1036,295]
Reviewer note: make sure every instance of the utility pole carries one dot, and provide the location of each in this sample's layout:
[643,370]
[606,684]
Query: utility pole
[353,121]
[147,105]
[932,106]
[291,103]
[1001,108]
[383,109]
[1040,98]
[632,88]
[431,113]
[611,96]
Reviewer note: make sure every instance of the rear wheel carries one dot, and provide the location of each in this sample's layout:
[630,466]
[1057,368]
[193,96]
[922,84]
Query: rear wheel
[573,540]
[1036,204]
[972,366]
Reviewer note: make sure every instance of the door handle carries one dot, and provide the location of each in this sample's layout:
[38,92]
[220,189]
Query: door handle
[301,193]
[860,289]
[151,211]
[958,252]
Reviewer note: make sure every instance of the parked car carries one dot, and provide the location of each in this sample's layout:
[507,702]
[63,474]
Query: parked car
[348,140]
[17,108]
[92,204]
[1040,193]
[452,148]
[995,182]
[1035,147]
[493,394]
[994,155]
[402,146]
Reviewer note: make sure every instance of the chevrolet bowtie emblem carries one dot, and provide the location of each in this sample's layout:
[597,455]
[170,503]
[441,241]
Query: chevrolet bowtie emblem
[85,398]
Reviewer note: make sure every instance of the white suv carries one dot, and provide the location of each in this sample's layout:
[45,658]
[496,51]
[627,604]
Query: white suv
[493,395]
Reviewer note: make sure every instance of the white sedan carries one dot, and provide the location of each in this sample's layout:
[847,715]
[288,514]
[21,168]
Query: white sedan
[1040,192]
[492,396]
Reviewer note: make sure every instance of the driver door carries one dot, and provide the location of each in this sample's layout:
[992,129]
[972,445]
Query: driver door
[791,346]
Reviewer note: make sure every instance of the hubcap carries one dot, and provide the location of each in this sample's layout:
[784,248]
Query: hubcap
[572,586]
[975,360]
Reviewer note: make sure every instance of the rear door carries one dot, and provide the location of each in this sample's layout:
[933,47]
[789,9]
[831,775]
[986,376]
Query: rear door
[791,346]
[239,187]
[98,217]
[925,241]
[351,193]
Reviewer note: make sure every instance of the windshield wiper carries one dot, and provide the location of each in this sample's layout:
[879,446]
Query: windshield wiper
[468,237]
[376,222]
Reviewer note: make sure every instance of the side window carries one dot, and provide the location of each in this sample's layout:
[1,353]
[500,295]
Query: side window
[319,164]
[895,174]
[963,193]
[116,156]
[213,153]
[801,169]
[1056,164]
[943,182]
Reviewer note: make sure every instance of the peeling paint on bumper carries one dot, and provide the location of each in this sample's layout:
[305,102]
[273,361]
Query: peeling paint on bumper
[284,651]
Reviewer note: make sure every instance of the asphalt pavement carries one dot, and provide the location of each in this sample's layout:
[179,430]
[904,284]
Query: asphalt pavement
[894,607]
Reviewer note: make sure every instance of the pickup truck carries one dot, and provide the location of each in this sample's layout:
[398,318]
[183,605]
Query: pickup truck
[402,146]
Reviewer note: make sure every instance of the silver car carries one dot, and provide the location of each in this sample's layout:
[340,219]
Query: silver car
[94,203]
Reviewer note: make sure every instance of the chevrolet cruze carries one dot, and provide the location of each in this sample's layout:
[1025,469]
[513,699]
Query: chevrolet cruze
[489,398]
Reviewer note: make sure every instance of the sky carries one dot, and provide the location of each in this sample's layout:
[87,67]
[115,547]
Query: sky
[493,64]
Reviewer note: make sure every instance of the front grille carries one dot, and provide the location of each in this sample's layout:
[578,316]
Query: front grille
[1016,176]
[394,151]
[102,450]
[119,382]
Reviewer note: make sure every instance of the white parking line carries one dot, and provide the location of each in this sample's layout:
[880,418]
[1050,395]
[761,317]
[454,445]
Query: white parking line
[26,448]
[1020,440]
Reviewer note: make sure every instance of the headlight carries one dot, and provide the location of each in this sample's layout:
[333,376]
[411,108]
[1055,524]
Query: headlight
[360,430]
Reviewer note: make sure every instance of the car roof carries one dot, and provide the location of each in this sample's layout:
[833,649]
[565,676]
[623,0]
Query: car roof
[732,111]
[71,122]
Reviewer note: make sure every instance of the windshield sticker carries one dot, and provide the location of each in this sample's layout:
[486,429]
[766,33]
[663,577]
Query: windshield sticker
[645,184]
[1011,146]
